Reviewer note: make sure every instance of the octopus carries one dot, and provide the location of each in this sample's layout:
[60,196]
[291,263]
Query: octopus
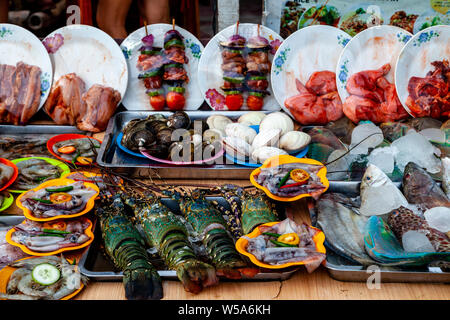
[318,101]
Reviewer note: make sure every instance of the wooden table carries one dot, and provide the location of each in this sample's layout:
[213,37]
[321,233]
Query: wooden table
[301,286]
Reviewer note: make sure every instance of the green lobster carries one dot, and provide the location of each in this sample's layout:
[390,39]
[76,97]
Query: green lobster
[209,224]
[248,210]
[126,248]
[168,234]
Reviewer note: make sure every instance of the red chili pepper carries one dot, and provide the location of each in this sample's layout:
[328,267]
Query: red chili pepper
[294,184]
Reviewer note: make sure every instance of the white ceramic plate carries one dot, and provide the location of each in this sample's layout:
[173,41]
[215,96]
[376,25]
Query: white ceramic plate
[18,44]
[431,44]
[370,50]
[136,98]
[308,50]
[90,53]
[210,71]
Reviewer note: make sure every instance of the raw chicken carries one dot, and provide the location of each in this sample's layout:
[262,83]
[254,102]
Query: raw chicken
[430,96]
[373,98]
[65,103]
[318,101]
[100,102]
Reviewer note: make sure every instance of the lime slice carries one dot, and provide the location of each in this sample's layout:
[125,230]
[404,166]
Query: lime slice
[45,274]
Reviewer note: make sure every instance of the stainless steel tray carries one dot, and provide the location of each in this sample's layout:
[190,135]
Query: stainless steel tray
[343,269]
[38,129]
[110,156]
[10,221]
[96,266]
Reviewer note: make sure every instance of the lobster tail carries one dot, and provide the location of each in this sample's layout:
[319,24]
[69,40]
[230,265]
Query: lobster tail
[142,284]
[196,275]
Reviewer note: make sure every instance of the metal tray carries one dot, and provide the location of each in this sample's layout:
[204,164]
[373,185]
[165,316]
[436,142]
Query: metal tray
[343,269]
[96,266]
[38,129]
[110,156]
[10,221]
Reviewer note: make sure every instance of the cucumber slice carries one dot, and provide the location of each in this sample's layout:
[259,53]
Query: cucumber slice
[232,92]
[256,94]
[45,274]
[174,43]
[177,89]
[255,78]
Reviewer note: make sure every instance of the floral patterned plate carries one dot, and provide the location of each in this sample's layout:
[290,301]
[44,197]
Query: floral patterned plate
[18,44]
[210,71]
[429,45]
[370,50]
[308,50]
[136,98]
[90,53]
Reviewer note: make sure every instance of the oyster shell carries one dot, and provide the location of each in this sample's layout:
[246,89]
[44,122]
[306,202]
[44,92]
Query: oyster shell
[241,131]
[237,147]
[218,122]
[260,155]
[179,120]
[212,135]
[252,118]
[277,120]
[294,141]
[269,138]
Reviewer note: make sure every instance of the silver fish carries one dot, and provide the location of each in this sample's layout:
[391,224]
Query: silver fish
[343,227]
[379,195]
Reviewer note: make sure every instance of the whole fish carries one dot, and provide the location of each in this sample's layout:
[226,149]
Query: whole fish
[446,176]
[420,189]
[379,195]
[343,228]
[403,220]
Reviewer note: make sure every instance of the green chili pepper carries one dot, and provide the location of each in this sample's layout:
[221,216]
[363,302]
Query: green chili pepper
[63,189]
[276,235]
[74,159]
[55,231]
[281,244]
[51,235]
[285,178]
[42,200]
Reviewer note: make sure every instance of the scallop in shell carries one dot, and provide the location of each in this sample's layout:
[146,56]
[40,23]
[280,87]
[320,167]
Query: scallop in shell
[252,118]
[237,147]
[294,141]
[260,155]
[277,120]
[269,138]
[218,122]
[240,131]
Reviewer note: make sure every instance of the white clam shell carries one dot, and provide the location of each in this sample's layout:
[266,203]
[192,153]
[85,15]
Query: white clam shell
[262,154]
[269,138]
[240,131]
[237,147]
[212,135]
[252,118]
[294,141]
[277,120]
[218,122]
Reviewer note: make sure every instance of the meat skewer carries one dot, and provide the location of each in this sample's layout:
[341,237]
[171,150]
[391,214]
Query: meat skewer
[151,63]
[174,73]
[234,69]
[258,66]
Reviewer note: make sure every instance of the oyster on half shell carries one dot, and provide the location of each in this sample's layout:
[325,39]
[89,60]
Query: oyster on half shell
[294,141]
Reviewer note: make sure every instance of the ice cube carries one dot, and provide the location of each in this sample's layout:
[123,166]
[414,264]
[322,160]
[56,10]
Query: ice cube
[364,136]
[383,158]
[438,218]
[415,241]
[434,135]
[414,147]
[339,169]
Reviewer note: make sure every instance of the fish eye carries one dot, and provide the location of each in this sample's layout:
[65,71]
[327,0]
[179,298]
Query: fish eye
[368,178]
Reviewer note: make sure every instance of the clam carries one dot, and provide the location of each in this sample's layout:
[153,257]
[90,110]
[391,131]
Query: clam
[237,147]
[277,120]
[252,118]
[212,135]
[179,120]
[294,141]
[260,155]
[218,122]
[269,138]
[240,131]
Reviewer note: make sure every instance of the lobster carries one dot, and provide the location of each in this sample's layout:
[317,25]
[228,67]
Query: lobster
[168,234]
[126,248]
